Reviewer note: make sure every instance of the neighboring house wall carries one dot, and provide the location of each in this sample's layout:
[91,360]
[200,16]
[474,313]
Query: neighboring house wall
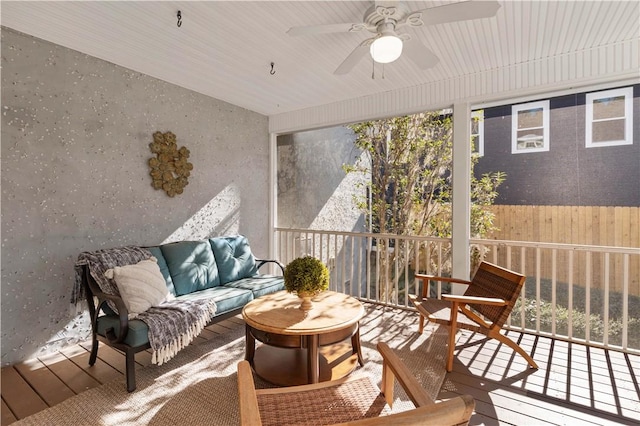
[569,173]
[313,189]
[75,145]
[314,192]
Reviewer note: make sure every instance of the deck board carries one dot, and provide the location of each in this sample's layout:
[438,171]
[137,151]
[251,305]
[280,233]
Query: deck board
[575,384]
[582,387]
[216,328]
[48,386]
[144,358]
[236,319]
[6,415]
[558,381]
[520,408]
[557,374]
[108,355]
[100,371]
[208,334]
[22,399]
[75,377]
[553,384]
[199,339]
[558,366]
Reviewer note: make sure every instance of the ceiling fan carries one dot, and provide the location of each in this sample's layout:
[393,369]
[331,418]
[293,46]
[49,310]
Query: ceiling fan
[385,18]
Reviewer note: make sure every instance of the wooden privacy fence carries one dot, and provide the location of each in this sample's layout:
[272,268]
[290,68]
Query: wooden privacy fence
[598,226]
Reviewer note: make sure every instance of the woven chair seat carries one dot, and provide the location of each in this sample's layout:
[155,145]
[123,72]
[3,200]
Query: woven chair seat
[439,311]
[349,401]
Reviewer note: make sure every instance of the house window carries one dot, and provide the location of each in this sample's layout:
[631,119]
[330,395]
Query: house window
[608,120]
[530,127]
[477,132]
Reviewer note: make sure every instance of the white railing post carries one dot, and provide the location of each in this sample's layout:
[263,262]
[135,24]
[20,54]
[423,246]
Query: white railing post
[554,275]
[538,267]
[570,296]
[605,314]
[461,193]
[625,301]
[273,197]
[587,306]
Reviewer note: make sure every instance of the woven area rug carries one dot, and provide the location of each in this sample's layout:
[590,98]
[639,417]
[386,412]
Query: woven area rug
[199,385]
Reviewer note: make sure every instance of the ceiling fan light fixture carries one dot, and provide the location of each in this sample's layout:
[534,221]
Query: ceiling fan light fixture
[386,49]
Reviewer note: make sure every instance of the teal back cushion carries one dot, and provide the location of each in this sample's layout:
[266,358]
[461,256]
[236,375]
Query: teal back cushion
[192,266]
[234,258]
[164,269]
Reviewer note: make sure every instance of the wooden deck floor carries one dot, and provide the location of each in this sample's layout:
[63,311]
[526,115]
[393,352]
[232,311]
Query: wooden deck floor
[574,385]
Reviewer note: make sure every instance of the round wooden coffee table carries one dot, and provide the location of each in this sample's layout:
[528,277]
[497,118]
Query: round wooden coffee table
[303,347]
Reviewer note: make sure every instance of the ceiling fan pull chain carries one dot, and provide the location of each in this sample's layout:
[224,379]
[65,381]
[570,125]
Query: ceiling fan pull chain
[273,71]
[179,19]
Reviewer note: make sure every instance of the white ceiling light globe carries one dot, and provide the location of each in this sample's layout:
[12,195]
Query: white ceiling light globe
[386,49]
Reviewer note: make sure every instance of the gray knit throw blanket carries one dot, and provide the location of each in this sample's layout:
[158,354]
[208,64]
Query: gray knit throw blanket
[172,325]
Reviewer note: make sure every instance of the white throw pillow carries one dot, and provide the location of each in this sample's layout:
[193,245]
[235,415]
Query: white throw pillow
[141,285]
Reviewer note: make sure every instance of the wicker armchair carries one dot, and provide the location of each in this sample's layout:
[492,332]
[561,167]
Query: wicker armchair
[485,306]
[347,401]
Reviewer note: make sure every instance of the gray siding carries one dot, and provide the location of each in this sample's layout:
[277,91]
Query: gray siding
[569,173]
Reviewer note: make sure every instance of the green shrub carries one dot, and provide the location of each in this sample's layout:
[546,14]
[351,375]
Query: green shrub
[306,275]
[579,320]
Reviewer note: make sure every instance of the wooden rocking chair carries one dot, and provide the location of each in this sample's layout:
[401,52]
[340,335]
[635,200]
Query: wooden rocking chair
[485,306]
[347,401]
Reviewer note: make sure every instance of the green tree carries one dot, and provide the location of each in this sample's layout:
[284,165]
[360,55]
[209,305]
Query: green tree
[410,162]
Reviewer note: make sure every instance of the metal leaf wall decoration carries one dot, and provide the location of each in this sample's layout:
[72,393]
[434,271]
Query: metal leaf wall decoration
[170,169]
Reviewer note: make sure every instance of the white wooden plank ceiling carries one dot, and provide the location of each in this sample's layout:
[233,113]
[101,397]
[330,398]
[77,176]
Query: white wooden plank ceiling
[224,48]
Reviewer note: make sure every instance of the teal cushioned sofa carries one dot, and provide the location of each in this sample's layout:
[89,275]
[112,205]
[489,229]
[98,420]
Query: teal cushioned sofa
[223,269]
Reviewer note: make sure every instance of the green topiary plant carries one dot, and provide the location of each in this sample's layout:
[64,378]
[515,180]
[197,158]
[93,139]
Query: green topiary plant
[306,275]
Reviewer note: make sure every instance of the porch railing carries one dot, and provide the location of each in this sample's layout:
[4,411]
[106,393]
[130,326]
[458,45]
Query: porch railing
[579,293]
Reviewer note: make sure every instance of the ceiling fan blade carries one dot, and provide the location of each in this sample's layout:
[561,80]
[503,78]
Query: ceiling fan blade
[461,11]
[423,57]
[324,29]
[354,57]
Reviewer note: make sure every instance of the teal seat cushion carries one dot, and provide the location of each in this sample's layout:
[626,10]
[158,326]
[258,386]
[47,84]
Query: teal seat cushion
[233,257]
[137,335]
[259,285]
[226,298]
[192,266]
[164,269]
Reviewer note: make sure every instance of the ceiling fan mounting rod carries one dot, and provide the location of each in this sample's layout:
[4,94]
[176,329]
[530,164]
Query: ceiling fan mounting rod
[386,28]
[378,15]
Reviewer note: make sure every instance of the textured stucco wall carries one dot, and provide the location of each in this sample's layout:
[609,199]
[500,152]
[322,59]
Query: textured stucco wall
[75,136]
[314,192]
[313,189]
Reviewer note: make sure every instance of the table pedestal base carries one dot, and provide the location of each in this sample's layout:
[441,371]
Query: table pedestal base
[288,367]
